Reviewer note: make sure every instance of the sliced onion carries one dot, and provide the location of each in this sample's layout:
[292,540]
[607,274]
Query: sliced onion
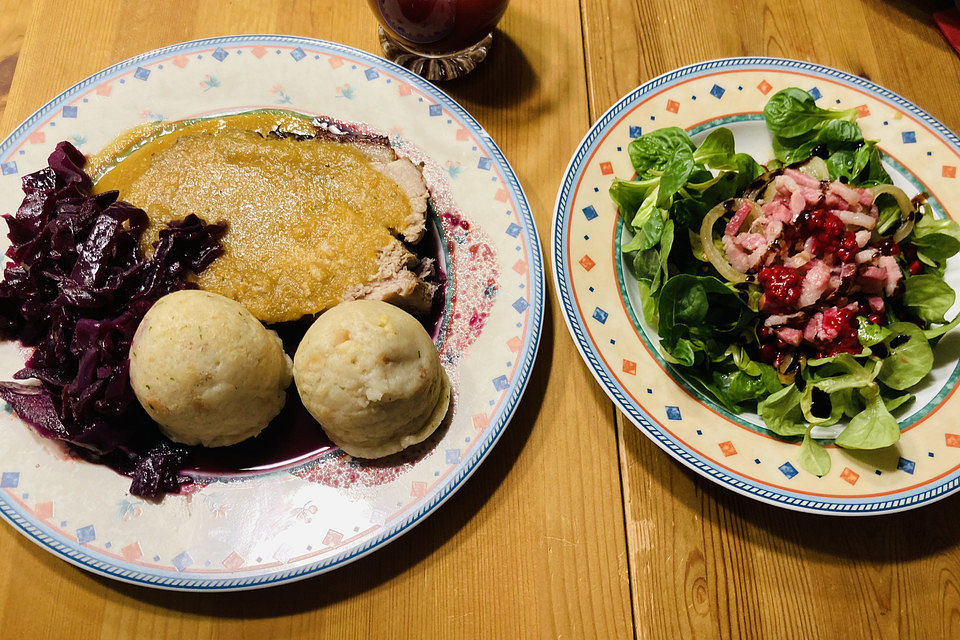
[720,262]
[696,246]
[814,166]
[907,210]
[760,184]
[791,365]
[769,193]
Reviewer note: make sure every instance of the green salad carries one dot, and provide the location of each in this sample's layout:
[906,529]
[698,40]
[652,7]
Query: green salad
[809,290]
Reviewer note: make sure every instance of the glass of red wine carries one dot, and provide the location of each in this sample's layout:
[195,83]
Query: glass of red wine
[437,39]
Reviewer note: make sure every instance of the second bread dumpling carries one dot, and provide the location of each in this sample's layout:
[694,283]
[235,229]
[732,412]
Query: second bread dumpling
[370,375]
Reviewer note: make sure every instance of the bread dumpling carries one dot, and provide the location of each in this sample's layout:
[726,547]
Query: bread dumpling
[206,370]
[370,375]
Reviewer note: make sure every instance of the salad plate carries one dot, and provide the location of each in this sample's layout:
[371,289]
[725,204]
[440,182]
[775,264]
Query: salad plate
[602,302]
[310,514]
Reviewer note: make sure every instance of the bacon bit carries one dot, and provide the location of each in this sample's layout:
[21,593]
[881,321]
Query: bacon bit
[741,260]
[815,283]
[751,241]
[893,273]
[777,210]
[802,179]
[733,227]
[790,335]
[813,327]
[851,195]
[873,279]
[797,203]
[833,201]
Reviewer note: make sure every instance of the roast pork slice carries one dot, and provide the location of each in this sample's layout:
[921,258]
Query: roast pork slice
[396,282]
[409,177]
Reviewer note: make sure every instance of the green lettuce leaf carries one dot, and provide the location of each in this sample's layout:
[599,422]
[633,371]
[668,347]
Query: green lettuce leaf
[872,428]
[717,150]
[909,357]
[813,458]
[652,151]
[781,412]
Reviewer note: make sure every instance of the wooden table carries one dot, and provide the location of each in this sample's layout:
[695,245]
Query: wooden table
[576,526]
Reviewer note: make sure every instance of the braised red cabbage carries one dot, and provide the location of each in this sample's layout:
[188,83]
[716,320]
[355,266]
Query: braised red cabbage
[75,289]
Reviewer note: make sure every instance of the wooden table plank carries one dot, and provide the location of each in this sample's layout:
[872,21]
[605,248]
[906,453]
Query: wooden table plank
[533,545]
[705,562]
[15,15]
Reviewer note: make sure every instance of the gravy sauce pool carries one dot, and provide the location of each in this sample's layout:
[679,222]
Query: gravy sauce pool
[127,165]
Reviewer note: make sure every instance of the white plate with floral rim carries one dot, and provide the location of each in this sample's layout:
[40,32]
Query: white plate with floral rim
[600,299]
[249,530]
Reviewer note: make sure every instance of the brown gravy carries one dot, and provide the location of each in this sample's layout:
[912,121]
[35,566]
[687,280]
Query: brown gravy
[306,218]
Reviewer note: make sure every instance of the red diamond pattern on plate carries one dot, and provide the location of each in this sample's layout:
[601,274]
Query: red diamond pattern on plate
[728,449]
[629,366]
[587,263]
[673,106]
[131,552]
[44,510]
[479,422]
[849,475]
[418,489]
[233,561]
[764,87]
[949,171]
[606,168]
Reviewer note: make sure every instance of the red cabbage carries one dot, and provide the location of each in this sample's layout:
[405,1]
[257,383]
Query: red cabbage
[76,288]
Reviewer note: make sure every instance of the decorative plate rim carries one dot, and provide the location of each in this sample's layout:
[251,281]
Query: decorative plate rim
[77,556]
[935,490]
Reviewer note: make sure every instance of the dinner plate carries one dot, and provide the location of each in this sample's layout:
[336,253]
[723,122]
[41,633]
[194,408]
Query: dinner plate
[275,525]
[600,299]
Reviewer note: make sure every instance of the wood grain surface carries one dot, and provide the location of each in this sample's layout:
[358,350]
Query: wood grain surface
[707,563]
[576,526]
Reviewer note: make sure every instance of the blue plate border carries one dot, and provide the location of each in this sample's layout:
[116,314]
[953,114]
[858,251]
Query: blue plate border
[84,558]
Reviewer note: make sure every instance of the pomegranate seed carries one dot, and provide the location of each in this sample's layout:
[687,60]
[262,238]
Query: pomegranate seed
[767,353]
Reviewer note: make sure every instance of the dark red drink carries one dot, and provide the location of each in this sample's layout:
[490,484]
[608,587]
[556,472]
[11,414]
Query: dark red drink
[437,27]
